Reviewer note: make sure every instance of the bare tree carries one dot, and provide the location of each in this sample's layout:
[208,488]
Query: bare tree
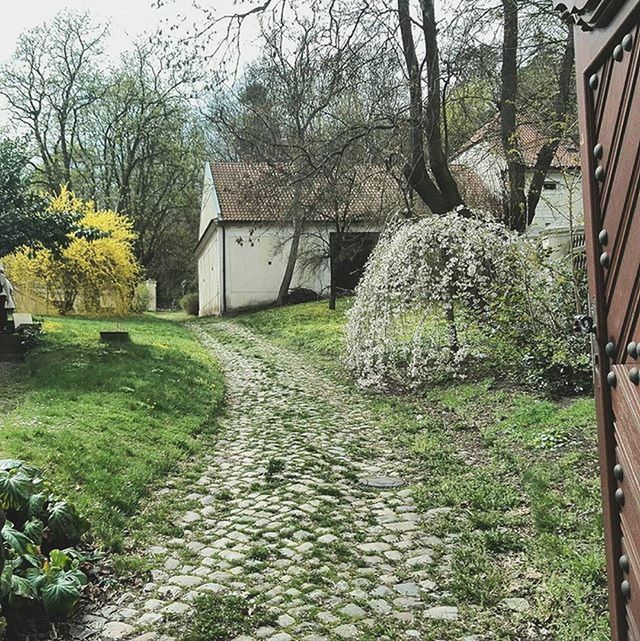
[426,166]
[288,114]
[521,200]
[49,85]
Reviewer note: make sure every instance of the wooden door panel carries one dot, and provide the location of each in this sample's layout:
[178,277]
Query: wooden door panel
[608,74]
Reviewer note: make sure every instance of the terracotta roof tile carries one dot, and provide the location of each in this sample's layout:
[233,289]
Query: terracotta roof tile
[531,137]
[257,192]
[474,190]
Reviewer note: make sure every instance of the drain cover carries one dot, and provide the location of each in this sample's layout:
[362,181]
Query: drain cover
[382,482]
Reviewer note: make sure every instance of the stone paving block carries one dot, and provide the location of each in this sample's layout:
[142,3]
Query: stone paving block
[442,612]
[335,565]
[116,630]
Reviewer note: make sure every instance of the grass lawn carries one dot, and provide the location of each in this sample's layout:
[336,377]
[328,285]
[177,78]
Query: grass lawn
[520,472]
[107,422]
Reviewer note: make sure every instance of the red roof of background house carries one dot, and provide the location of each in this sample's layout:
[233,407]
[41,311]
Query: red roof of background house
[257,192]
[531,137]
[473,190]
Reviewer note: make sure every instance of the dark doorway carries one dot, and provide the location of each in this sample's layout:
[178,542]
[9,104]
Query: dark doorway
[349,255]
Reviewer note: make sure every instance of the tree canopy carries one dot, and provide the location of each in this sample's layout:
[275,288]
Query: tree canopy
[25,219]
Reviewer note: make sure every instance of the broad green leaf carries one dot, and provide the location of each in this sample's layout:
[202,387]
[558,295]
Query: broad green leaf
[80,576]
[15,489]
[5,581]
[36,504]
[10,464]
[59,559]
[36,577]
[14,538]
[83,557]
[64,522]
[33,529]
[61,594]
[31,471]
[22,587]
[32,560]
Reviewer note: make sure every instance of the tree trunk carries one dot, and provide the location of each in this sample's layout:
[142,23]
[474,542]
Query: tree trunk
[443,196]
[291,263]
[515,200]
[452,330]
[334,253]
[437,158]
[548,150]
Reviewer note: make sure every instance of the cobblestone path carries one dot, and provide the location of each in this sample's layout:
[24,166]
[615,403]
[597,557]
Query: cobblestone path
[279,510]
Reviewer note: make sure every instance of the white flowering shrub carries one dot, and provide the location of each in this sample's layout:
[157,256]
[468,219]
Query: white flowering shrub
[423,280]
[452,297]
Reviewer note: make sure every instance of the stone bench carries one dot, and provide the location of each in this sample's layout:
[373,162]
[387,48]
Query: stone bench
[22,322]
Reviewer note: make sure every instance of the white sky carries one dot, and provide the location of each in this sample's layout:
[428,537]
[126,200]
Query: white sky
[129,18]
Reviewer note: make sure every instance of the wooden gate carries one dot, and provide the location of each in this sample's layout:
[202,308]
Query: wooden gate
[607,67]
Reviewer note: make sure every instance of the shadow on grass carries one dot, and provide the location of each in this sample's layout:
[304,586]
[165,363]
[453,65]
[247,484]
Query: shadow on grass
[108,422]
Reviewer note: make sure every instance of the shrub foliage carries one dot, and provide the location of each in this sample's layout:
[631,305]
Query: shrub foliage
[190,304]
[39,567]
[447,297]
[92,274]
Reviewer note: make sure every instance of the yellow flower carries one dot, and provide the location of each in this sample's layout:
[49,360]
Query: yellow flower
[92,276]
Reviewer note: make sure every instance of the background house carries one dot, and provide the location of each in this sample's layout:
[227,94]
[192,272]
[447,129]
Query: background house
[481,162]
[246,226]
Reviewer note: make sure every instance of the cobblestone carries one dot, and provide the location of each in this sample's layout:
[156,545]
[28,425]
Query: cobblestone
[277,510]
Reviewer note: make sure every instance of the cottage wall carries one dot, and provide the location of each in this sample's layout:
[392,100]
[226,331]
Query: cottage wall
[561,207]
[556,206]
[256,260]
[209,272]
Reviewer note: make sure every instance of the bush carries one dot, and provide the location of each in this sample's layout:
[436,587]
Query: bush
[95,273]
[533,322]
[190,304]
[141,298]
[40,568]
[423,283]
[448,297]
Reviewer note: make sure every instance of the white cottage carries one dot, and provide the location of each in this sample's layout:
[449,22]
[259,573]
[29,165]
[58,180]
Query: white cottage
[246,230]
[560,205]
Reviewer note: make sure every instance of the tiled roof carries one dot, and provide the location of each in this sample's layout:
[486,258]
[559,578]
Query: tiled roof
[531,137]
[474,190]
[257,192]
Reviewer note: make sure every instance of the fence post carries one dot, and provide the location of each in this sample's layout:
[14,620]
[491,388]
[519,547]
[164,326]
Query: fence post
[3,314]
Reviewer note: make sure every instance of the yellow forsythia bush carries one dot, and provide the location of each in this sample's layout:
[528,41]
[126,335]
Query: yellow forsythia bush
[94,276]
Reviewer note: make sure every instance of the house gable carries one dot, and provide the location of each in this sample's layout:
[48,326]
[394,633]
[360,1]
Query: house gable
[210,208]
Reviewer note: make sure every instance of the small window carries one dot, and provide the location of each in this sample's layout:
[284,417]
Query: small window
[549,185]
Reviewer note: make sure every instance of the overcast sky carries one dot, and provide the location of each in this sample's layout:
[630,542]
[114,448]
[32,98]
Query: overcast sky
[129,18]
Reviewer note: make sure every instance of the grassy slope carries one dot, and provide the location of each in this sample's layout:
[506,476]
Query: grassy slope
[107,422]
[521,471]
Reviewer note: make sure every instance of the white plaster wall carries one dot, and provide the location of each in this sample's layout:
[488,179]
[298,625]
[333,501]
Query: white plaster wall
[556,206]
[209,276]
[210,207]
[560,205]
[255,264]
[152,287]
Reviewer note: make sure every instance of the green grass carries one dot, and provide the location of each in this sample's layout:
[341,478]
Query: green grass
[109,422]
[311,327]
[520,472]
[224,617]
